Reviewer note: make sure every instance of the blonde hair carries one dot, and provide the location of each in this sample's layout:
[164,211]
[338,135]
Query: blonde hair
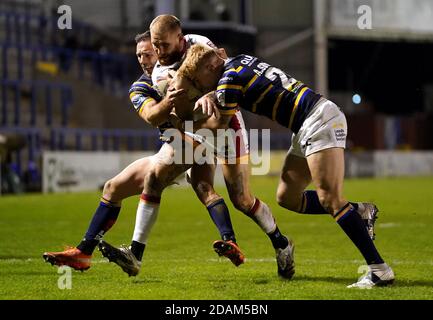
[196,56]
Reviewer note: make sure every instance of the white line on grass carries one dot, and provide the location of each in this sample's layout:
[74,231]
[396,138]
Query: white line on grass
[223,260]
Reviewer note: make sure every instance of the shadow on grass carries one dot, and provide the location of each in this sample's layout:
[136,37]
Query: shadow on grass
[413,283]
[304,278]
[347,281]
[26,273]
[141,281]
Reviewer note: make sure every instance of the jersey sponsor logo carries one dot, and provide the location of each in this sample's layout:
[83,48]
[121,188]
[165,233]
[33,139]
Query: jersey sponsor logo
[338,125]
[340,134]
[221,97]
[137,101]
[307,143]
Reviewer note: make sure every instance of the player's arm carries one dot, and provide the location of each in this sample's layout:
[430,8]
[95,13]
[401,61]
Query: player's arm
[222,103]
[149,109]
[157,113]
[213,123]
[215,115]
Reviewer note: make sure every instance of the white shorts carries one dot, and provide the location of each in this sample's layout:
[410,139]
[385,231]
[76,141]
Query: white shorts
[325,127]
[234,148]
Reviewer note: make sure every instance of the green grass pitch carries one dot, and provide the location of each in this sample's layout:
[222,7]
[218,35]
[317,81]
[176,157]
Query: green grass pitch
[179,262]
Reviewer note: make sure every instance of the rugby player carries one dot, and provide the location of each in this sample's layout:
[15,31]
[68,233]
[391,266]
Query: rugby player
[142,95]
[133,180]
[318,141]
[171,47]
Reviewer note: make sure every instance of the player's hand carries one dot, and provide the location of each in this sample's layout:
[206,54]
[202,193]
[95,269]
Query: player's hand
[176,121]
[173,94]
[208,105]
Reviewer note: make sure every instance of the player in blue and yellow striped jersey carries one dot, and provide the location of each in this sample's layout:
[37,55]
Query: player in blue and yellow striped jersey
[145,99]
[318,141]
[144,176]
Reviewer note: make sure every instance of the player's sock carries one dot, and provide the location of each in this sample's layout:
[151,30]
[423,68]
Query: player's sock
[353,225]
[262,215]
[278,240]
[137,249]
[311,204]
[220,215]
[147,212]
[103,219]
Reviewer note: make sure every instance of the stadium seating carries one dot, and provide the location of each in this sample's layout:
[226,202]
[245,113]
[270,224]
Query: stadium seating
[39,66]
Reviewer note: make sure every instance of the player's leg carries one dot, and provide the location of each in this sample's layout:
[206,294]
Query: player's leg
[127,183]
[158,175]
[202,181]
[295,177]
[237,179]
[327,172]
[156,179]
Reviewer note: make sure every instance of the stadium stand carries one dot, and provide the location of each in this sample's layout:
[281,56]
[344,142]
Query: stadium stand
[46,77]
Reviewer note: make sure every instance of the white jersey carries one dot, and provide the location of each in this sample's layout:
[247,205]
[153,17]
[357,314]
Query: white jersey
[235,151]
[160,72]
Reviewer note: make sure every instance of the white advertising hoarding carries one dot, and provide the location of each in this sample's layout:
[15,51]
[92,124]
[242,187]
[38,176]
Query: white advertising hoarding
[88,171]
[83,171]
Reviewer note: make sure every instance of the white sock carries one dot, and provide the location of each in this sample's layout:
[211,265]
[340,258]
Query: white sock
[262,215]
[147,212]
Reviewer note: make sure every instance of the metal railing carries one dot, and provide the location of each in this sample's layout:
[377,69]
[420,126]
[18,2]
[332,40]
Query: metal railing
[35,90]
[78,139]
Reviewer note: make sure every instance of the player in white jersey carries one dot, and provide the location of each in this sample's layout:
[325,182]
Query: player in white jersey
[161,69]
[171,47]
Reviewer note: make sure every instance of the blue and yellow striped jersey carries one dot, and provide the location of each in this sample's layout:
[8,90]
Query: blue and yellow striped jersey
[142,92]
[256,86]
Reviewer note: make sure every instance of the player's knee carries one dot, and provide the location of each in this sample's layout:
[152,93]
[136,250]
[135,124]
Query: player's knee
[285,201]
[152,182]
[242,202]
[109,189]
[204,191]
[281,199]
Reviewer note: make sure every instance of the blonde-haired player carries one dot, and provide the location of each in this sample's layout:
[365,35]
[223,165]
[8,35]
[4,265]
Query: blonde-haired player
[317,152]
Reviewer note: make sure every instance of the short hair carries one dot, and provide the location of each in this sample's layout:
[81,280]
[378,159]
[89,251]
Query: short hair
[145,36]
[195,57]
[166,22]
